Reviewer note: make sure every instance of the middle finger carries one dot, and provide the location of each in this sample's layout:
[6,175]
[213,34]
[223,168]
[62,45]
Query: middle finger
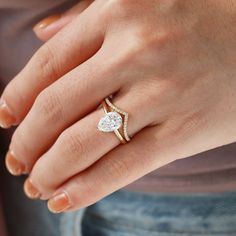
[57,107]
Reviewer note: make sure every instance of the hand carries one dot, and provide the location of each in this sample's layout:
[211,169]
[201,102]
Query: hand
[171,66]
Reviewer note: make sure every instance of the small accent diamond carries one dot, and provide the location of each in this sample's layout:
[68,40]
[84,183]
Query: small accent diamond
[110,122]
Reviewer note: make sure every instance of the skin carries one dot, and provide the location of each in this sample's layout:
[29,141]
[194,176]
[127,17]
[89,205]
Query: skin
[171,66]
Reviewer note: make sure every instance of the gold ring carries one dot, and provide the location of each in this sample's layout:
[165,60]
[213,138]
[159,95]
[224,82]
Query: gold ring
[115,120]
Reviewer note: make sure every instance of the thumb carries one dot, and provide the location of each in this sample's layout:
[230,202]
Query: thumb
[50,25]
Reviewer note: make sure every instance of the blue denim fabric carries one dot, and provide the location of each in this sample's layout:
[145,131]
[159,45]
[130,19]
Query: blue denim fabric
[137,214]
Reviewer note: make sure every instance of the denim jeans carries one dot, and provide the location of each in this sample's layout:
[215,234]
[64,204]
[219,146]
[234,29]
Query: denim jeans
[137,214]
[123,214]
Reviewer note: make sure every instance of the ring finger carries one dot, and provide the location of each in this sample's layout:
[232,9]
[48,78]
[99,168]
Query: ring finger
[81,145]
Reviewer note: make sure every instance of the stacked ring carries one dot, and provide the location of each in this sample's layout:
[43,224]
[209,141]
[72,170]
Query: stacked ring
[115,120]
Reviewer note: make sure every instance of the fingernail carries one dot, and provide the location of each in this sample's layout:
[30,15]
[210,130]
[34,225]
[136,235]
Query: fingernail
[46,22]
[30,190]
[59,203]
[14,166]
[6,117]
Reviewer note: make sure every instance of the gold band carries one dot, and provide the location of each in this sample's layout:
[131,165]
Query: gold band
[117,132]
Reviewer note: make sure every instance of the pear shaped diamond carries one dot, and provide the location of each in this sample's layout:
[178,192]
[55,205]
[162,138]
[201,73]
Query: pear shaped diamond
[111,121]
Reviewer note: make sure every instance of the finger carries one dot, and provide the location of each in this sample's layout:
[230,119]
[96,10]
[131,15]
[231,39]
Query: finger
[53,60]
[57,109]
[177,137]
[51,25]
[80,146]
[114,171]
[150,149]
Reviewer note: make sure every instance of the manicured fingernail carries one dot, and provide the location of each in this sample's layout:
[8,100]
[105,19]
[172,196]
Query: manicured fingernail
[46,22]
[14,166]
[59,203]
[6,117]
[30,190]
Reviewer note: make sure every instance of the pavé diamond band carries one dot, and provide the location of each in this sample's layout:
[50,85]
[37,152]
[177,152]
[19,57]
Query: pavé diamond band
[114,120]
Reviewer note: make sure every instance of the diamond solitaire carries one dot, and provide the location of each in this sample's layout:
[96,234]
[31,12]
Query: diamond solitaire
[114,120]
[110,122]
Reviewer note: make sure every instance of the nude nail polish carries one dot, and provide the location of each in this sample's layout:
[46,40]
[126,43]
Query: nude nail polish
[59,203]
[30,190]
[46,22]
[6,117]
[14,166]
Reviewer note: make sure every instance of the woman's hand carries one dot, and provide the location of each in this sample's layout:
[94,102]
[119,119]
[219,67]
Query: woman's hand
[169,63]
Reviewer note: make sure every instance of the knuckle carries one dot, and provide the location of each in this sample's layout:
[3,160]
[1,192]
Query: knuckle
[44,61]
[151,43]
[73,146]
[123,8]
[89,193]
[116,167]
[124,5]
[48,106]
[88,186]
